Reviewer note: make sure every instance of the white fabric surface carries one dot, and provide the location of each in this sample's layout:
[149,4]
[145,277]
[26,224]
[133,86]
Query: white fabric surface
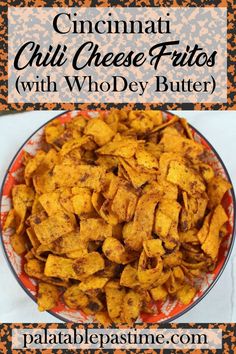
[219,127]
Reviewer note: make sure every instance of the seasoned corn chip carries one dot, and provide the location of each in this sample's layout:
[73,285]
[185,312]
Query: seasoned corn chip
[212,242]
[159,293]
[146,275]
[100,131]
[80,251]
[79,268]
[95,229]
[153,248]
[185,178]
[136,174]
[146,159]
[73,144]
[10,221]
[129,277]
[48,296]
[162,224]
[82,202]
[184,146]
[114,297]
[143,221]
[131,306]
[22,198]
[186,294]
[203,232]
[75,298]
[53,131]
[54,227]
[32,237]
[32,165]
[124,203]
[124,148]
[70,242]
[50,202]
[42,178]
[35,269]
[216,189]
[93,282]
[60,267]
[78,175]
[20,243]
[94,305]
[88,264]
[116,252]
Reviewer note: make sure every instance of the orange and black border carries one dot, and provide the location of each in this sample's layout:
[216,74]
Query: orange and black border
[231,55]
[228,339]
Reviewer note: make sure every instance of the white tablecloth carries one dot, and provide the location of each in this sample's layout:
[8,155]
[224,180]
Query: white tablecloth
[218,306]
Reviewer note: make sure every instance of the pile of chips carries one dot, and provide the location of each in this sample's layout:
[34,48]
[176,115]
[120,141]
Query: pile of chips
[117,212]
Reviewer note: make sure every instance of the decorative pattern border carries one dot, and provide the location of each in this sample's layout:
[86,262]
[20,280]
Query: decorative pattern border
[228,338]
[231,58]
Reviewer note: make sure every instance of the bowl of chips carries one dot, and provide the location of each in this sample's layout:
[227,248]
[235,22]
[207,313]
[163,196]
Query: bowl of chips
[117,216]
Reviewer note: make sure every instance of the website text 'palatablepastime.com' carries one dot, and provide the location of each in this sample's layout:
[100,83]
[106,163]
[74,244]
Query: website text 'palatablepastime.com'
[97,338]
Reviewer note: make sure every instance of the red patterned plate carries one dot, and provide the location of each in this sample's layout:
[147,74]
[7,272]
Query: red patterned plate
[163,311]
